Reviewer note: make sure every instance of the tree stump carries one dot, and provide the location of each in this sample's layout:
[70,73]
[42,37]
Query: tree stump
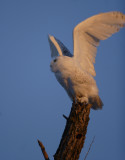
[74,134]
[73,137]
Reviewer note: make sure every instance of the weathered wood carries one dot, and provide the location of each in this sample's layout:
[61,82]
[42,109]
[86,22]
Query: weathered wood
[43,150]
[73,137]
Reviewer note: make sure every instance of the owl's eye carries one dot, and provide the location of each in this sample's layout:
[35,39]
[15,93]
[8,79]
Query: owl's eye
[54,60]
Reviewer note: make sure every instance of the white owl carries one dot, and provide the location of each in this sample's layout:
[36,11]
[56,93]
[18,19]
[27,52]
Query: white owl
[76,72]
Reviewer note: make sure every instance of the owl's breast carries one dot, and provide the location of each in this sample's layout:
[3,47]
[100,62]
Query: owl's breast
[66,83]
[61,79]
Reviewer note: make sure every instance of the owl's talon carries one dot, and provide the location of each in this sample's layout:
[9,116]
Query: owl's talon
[82,101]
[85,103]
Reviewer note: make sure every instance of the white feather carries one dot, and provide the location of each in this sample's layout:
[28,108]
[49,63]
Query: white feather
[88,34]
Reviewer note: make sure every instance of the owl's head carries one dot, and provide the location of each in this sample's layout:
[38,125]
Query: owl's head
[53,65]
[60,63]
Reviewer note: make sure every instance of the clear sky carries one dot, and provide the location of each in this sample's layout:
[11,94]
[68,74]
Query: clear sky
[31,100]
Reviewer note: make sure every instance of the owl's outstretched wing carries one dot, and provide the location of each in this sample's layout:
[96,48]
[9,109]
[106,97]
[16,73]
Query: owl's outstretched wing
[57,47]
[88,34]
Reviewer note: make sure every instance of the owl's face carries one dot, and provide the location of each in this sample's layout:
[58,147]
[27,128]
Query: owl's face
[54,65]
[60,63]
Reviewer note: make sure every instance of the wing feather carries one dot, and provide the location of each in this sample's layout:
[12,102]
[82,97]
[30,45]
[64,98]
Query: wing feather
[57,47]
[87,36]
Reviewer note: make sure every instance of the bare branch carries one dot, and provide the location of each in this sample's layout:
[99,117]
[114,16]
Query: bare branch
[89,148]
[65,117]
[43,150]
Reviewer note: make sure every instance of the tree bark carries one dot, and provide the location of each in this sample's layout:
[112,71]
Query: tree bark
[73,137]
[43,150]
[74,134]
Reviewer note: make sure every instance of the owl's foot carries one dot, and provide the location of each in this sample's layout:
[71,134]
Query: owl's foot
[82,101]
[85,103]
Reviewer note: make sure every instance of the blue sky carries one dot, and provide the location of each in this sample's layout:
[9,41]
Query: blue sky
[31,100]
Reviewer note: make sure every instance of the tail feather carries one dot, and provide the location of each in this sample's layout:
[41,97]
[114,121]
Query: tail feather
[96,102]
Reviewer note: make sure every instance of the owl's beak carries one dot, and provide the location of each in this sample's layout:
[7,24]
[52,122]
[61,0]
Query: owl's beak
[50,65]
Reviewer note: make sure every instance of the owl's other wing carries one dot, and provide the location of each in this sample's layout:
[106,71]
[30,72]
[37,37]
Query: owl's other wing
[88,34]
[57,47]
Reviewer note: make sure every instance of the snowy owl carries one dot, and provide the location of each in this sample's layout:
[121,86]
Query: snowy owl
[76,72]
